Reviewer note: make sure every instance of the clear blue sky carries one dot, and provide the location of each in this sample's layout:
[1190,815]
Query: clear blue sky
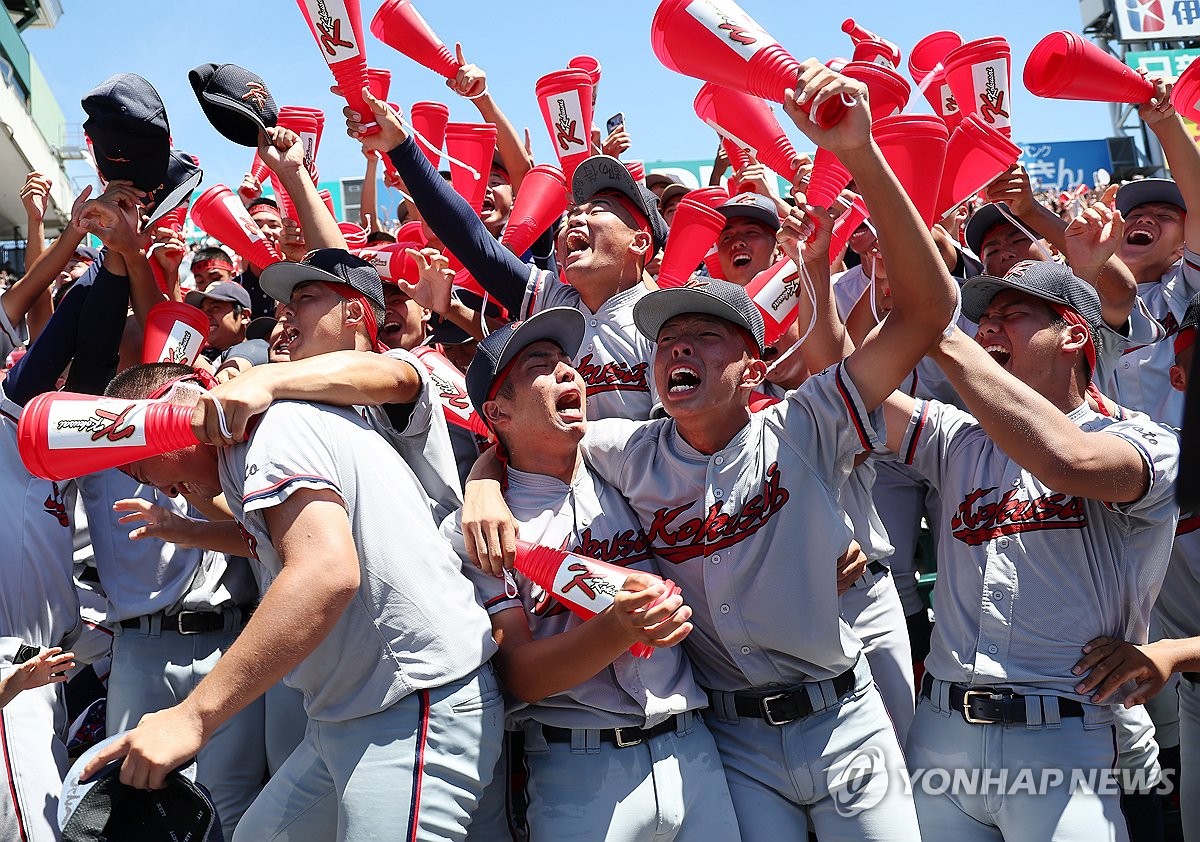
[515,42]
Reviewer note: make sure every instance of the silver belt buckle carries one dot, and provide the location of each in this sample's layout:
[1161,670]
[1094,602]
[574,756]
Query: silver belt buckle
[768,716]
[620,740]
[966,706]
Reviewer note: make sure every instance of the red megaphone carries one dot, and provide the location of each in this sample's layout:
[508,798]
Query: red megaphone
[337,28]
[975,156]
[739,158]
[979,76]
[221,215]
[828,178]
[589,65]
[694,231]
[399,25]
[716,41]
[915,149]
[354,235]
[869,47]
[845,226]
[327,198]
[470,147]
[259,171]
[712,197]
[451,388]
[749,123]
[541,200]
[429,121]
[887,90]
[175,333]
[927,67]
[1185,93]
[1065,65]
[584,585]
[379,82]
[308,125]
[776,292]
[565,99]
[62,435]
[392,261]
[637,169]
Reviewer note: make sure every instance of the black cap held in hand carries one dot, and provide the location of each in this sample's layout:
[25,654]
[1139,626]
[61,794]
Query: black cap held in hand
[127,124]
[235,100]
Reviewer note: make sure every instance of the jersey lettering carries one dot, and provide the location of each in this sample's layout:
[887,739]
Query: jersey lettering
[716,530]
[613,376]
[976,523]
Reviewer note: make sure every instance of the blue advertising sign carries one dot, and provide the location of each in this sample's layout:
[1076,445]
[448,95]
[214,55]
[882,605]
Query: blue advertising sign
[1063,165]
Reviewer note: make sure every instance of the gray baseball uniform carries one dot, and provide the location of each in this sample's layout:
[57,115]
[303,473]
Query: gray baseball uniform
[1012,555]
[39,606]
[669,786]
[404,713]
[768,642]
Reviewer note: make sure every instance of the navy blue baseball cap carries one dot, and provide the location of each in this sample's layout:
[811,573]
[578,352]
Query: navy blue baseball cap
[331,265]
[183,177]
[983,221]
[605,174]
[1146,190]
[235,100]
[564,326]
[722,299]
[127,124]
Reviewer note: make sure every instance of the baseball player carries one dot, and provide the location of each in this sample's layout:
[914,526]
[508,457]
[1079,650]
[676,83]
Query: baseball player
[727,498]
[614,746]
[1074,510]
[614,229]
[388,645]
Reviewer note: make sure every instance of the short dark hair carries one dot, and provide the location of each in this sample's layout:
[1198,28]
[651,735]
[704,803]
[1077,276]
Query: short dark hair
[211,253]
[140,381]
[380,237]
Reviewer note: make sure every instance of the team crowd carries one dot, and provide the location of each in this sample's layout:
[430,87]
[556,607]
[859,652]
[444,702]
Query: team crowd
[325,609]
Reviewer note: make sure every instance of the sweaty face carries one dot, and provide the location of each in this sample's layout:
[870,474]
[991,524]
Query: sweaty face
[745,248]
[404,320]
[1019,332]
[497,202]
[599,237]
[1153,238]
[548,397]
[226,326]
[1004,246]
[313,322]
[699,364]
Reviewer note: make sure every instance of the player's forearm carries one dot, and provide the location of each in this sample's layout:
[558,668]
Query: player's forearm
[535,669]
[20,297]
[1046,224]
[297,612]
[828,342]
[1183,654]
[344,378]
[1116,287]
[1183,157]
[319,227]
[1035,434]
[368,212]
[222,536]
[464,317]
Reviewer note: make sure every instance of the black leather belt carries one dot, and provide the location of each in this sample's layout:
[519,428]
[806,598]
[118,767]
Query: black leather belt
[191,622]
[876,568]
[993,705]
[1193,677]
[620,737]
[788,706]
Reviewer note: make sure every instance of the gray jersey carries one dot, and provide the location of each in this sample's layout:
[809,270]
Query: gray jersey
[415,623]
[150,575]
[588,517]
[1141,378]
[38,601]
[751,532]
[615,360]
[423,442]
[1179,598]
[1027,575]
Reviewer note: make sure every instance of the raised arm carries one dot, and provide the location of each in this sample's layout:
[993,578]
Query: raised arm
[471,82]
[924,294]
[459,228]
[1182,155]
[282,151]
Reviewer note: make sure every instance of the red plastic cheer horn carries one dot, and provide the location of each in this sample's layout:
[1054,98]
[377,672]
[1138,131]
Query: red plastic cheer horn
[451,388]
[869,47]
[379,82]
[1065,65]
[975,156]
[541,200]
[1185,94]
[337,27]
[175,333]
[221,215]
[470,147]
[887,90]
[399,25]
[565,99]
[845,226]
[584,585]
[429,120]
[392,261]
[637,169]
[776,293]
[354,235]
[62,435]
[716,41]
[927,66]
[749,123]
[589,65]
[828,178]
[915,149]
[979,76]
[259,170]
[694,230]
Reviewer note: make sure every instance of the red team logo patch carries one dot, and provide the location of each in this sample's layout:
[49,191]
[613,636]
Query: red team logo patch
[976,523]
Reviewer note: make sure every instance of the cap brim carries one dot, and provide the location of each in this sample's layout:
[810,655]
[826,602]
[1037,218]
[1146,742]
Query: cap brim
[978,292]
[279,279]
[658,307]
[174,197]
[564,326]
[982,221]
[603,172]
[1149,190]
[771,220]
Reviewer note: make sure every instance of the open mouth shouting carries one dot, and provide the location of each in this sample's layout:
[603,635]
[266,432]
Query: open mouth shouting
[1139,236]
[740,257]
[682,380]
[569,406]
[998,353]
[576,244]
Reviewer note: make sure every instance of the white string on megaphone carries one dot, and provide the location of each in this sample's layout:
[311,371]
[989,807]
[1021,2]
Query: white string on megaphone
[1016,223]
[421,140]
